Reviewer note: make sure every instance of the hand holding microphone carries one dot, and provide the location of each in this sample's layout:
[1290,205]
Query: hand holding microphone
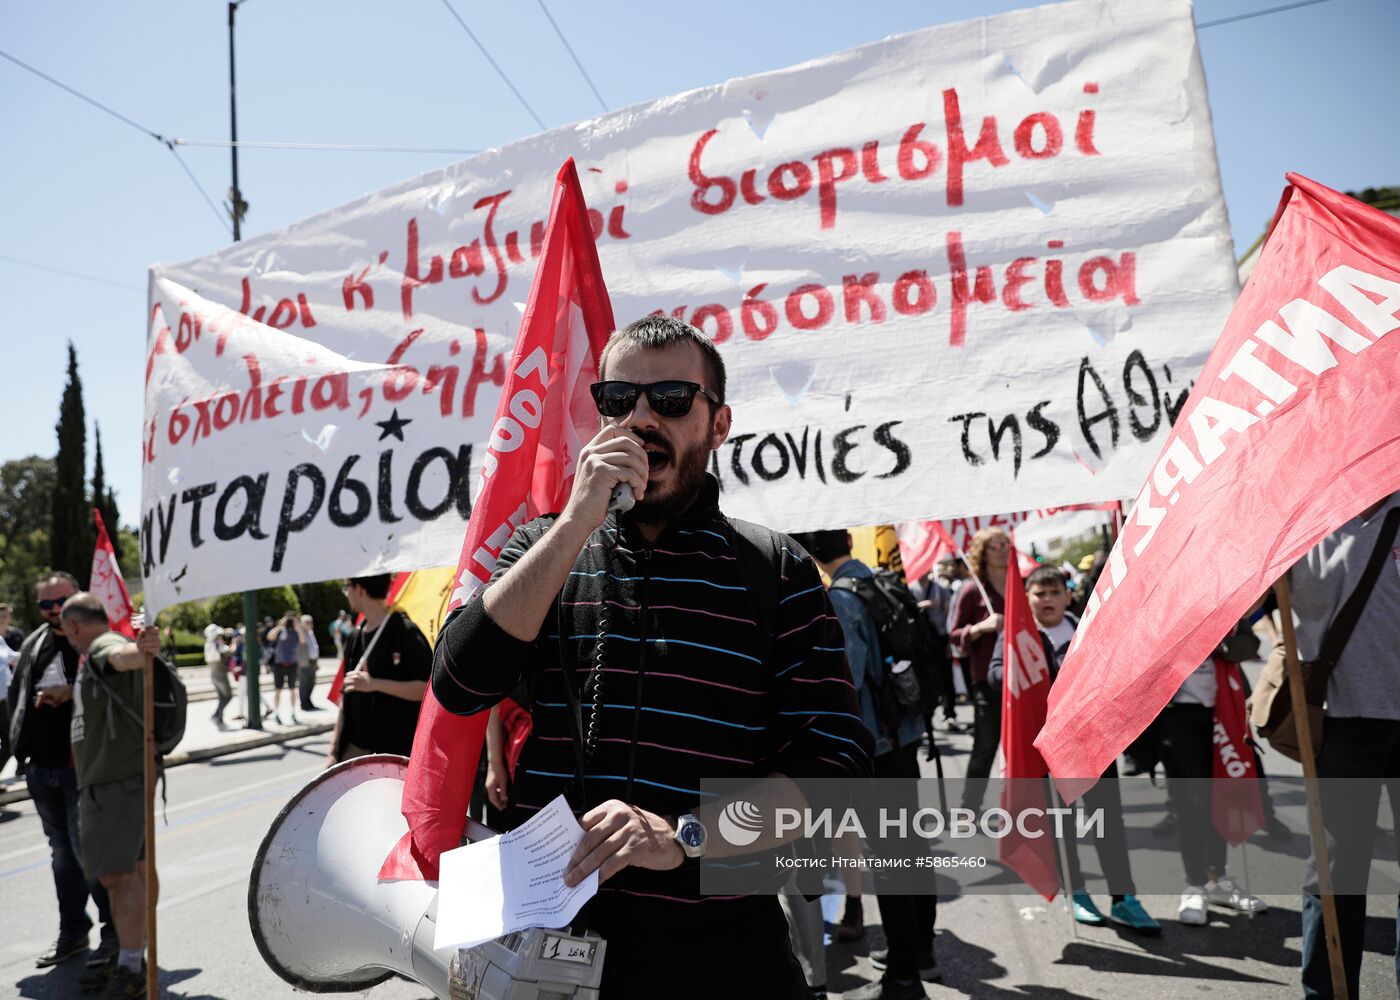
[612,475]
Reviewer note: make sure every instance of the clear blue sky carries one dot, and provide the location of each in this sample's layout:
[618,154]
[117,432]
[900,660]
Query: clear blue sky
[1311,90]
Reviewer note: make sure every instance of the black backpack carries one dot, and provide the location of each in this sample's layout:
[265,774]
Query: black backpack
[170,700]
[904,635]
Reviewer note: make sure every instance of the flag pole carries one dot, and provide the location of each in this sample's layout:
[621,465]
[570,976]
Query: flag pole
[1309,759]
[1065,888]
[148,686]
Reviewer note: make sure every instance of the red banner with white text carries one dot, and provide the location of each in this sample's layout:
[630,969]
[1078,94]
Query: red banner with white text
[1029,846]
[545,417]
[1292,428]
[106,581]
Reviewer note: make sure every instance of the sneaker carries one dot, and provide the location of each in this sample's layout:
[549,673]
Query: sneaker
[1224,892]
[96,978]
[63,949]
[1085,912]
[888,989]
[1129,912]
[1193,906]
[928,965]
[126,985]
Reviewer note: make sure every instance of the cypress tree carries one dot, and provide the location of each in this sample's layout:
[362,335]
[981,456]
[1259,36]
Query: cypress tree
[103,498]
[72,533]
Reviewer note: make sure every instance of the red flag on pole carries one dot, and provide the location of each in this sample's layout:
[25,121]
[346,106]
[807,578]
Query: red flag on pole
[106,581]
[1029,846]
[545,417]
[1292,428]
[1236,805]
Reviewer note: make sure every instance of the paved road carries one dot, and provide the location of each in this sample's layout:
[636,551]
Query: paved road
[218,812]
[988,946]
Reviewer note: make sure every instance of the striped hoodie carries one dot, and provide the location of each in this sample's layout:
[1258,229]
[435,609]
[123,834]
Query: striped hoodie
[690,688]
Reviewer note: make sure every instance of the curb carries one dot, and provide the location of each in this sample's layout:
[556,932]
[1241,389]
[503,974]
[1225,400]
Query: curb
[21,792]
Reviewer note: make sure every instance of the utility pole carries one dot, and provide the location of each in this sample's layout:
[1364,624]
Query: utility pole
[237,206]
[252,649]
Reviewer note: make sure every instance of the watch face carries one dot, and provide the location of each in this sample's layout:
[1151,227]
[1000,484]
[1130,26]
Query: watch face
[691,834]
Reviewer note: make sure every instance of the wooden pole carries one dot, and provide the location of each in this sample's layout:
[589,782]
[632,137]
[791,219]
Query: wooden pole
[152,969]
[1315,825]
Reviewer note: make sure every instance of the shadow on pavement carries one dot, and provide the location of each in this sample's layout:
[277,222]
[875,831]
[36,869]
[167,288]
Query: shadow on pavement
[61,983]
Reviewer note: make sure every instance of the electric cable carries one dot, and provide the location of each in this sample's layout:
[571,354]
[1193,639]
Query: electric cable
[167,143]
[71,274]
[1258,13]
[572,55]
[335,147]
[499,72]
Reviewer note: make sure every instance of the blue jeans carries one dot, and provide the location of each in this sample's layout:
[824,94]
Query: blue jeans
[1352,748]
[54,792]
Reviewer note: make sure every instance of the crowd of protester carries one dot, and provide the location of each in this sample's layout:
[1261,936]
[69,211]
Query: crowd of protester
[796,681]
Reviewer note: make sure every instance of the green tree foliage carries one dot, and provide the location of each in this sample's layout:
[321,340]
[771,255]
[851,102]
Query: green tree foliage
[105,500]
[323,602]
[71,531]
[189,616]
[227,609]
[26,498]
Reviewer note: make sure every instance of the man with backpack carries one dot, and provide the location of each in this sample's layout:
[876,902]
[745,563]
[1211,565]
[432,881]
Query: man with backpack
[41,707]
[109,747]
[892,675]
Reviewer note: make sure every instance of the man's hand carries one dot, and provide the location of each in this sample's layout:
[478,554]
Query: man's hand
[56,695]
[497,783]
[613,456]
[148,641]
[617,835]
[990,625]
[359,681]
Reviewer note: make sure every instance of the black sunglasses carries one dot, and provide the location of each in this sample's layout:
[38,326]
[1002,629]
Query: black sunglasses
[48,604]
[667,399]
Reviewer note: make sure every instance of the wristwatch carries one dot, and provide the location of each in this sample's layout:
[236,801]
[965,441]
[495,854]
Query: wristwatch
[691,835]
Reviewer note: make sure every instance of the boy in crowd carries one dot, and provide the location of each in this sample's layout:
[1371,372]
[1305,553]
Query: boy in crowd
[1049,598]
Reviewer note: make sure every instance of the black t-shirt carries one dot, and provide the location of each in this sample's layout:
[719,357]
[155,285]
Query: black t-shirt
[46,737]
[374,720]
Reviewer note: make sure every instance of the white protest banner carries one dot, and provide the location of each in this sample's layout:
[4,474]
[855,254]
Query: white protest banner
[961,271]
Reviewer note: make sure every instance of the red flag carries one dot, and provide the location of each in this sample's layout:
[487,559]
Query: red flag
[1292,428]
[923,544]
[105,581]
[1029,848]
[1236,805]
[545,417]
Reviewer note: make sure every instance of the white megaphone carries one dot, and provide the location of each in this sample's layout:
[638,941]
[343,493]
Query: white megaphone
[324,922]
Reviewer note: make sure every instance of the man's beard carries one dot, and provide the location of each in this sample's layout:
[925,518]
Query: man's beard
[689,477]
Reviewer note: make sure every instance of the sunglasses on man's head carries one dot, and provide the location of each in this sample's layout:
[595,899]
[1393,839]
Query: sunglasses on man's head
[49,603]
[667,399]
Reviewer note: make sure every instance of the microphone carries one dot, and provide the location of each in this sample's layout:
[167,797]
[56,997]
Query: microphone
[622,499]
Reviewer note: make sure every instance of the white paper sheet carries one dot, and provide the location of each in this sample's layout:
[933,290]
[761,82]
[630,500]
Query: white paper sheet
[513,881]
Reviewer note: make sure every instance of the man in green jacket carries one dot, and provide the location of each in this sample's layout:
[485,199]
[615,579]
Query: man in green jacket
[109,745]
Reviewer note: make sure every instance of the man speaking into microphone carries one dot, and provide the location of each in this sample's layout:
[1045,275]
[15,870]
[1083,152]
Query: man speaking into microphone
[663,645]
